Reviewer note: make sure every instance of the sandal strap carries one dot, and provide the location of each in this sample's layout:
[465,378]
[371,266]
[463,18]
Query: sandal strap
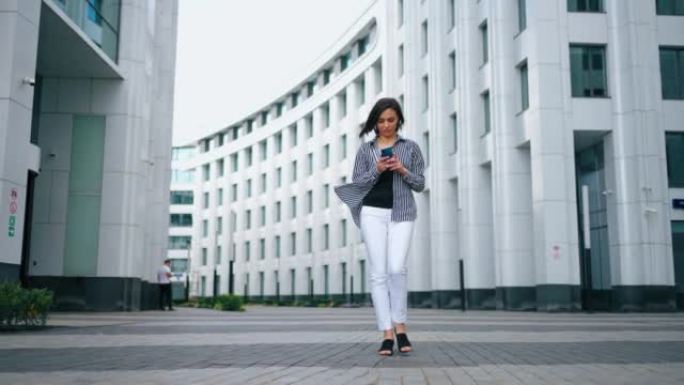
[402,340]
[387,345]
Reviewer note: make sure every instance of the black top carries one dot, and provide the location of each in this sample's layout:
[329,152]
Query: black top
[381,194]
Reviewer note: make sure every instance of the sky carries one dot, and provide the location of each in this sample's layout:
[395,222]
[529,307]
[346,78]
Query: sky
[236,56]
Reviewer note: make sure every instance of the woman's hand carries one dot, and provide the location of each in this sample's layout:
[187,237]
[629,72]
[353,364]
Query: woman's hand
[394,164]
[383,163]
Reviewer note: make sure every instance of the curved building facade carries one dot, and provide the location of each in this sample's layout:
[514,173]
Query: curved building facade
[553,139]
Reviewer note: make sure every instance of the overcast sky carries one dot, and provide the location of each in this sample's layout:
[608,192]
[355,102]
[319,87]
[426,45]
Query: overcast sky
[235,56]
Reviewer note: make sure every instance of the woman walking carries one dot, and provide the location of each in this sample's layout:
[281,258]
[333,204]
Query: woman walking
[386,171]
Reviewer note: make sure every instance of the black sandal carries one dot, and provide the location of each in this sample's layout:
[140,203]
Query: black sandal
[387,345]
[403,342]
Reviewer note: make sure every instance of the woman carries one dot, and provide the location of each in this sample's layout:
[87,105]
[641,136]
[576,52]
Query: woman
[386,171]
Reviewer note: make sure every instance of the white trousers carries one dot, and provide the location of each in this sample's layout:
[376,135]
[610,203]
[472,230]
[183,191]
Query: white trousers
[387,245]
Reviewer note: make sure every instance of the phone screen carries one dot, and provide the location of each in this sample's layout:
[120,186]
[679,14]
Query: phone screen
[386,151]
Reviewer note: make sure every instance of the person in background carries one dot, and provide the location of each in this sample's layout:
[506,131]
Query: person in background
[387,170]
[164,278]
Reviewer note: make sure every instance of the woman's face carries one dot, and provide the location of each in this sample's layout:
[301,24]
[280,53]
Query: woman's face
[387,123]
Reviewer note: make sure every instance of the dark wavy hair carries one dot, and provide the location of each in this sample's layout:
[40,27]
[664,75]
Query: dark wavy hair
[377,110]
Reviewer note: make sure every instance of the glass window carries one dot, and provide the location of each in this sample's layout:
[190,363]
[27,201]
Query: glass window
[361,90]
[326,195]
[309,202]
[205,228]
[343,233]
[180,220]
[363,45]
[588,71]
[294,99]
[262,185]
[452,70]
[426,147]
[326,287]
[178,242]
[308,122]
[218,262]
[219,168]
[293,135]
[585,5]
[325,115]
[293,207]
[205,172]
[181,197]
[279,177]
[326,76]
[342,104]
[219,197]
[454,131]
[309,240]
[487,117]
[219,225]
[262,216]
[250,126]
[248,219]
[424,37]
[262,248]
[524,87]
[451,14]
[672,72]
[326,156]
[179,265]
[278,143]
[344,62]
[675,159]
[293,170]
[247,250]
[400,13]
[234,162]
[309,164]
[205,200]
[204,257]
[484,35]
[293,243]
[522,15]
[426,93]
[670,7]
[278,208]
[277,246]
[234,192]
[263,149]
[264,117]
[248,156]
[343,147]
[400,60]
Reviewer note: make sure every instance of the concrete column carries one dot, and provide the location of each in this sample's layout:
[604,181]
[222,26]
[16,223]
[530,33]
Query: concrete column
[641,252]
[552,160]
[476,242]
[510,169]
[19,21]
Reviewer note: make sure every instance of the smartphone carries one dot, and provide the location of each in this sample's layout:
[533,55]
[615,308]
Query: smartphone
[388,152]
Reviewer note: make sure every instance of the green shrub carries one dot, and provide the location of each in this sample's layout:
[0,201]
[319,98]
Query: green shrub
[23,308]
[228,303]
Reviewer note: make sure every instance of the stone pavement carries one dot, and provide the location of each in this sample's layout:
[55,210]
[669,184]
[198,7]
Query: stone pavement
[271,345]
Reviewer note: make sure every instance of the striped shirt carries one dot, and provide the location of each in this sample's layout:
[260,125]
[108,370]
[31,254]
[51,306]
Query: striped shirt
[366,174]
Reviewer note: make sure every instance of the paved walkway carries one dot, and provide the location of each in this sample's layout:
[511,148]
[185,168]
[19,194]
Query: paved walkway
[270,345]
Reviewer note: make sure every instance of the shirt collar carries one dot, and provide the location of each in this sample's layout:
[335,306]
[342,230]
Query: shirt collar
[399,139]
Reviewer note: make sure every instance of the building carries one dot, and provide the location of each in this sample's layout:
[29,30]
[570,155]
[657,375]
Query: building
[517,105]
[180,218]
[86,98]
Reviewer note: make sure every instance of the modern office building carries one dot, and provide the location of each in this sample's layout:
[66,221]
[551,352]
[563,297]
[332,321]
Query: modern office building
[530,113]
[180,218]
[86,98]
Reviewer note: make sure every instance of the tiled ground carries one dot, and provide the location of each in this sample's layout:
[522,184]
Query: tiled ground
[266,345]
